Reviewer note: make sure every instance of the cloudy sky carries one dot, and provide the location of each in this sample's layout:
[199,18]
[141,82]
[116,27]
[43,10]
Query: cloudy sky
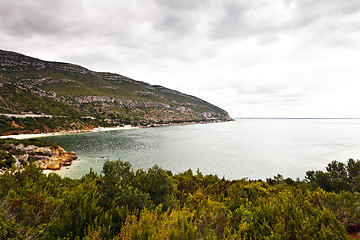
[258,58]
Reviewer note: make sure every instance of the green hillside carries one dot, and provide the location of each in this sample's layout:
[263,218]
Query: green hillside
[15,99]
[66,90]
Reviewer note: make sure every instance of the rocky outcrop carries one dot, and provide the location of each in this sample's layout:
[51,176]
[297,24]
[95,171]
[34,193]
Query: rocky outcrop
[52,158]
[183,108]
[119,101]
[14,63]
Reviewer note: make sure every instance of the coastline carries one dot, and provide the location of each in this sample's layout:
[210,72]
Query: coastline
[99,129]
[39,135]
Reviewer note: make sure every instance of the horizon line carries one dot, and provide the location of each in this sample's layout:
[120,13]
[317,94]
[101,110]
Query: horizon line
[296,117]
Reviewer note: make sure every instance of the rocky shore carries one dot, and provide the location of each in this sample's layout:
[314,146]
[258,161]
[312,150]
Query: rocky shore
[52,158]
[17,153]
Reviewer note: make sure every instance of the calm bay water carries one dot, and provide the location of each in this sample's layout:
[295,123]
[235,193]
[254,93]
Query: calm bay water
[239,149]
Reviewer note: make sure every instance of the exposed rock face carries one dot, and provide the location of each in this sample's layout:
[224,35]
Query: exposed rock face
[52,158]
[138,104]
[119,101]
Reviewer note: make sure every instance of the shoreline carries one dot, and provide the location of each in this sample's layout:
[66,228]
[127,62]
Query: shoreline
[39,135]
[100,129]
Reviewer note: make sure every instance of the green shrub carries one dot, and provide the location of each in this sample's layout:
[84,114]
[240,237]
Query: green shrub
[153,204]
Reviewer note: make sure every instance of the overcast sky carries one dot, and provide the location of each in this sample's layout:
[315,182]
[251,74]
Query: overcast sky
[258,58]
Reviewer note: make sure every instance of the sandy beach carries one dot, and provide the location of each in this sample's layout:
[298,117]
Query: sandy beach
[100,129]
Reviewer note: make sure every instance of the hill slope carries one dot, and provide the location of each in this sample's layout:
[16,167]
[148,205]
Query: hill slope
[62,89]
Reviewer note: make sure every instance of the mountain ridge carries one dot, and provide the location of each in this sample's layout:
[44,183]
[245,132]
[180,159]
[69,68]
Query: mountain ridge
[107,97]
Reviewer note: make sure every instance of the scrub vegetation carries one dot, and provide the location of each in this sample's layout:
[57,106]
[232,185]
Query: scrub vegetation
[121,203]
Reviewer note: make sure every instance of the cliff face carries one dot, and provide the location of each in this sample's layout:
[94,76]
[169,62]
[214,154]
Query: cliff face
[102,95]
[52,158]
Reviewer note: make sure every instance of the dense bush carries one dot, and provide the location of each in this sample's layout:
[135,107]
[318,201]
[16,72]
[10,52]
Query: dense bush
[338,177]
[13,125]
[6,160]
[124,204]
[5,142]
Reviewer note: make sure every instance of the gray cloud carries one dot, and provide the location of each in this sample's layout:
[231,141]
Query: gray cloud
[234,23]
[66,20]
[32,17]
[180,5]
[309,11]
[178,19]
[281,52]
[175,23]
[241,19]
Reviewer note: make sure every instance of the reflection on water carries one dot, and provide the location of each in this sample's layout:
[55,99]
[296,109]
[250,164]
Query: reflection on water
[238,149]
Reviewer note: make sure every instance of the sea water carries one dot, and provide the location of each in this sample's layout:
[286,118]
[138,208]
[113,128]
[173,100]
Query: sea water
[249,148]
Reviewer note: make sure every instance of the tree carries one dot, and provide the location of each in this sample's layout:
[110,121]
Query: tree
[156,182]
[115,174]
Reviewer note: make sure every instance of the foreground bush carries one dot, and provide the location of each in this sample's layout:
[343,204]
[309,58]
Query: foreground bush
[124,204]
